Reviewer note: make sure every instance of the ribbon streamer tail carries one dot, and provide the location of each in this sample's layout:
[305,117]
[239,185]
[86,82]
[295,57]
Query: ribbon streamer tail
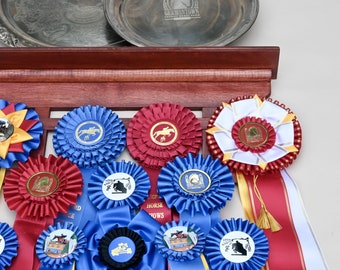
[2,176]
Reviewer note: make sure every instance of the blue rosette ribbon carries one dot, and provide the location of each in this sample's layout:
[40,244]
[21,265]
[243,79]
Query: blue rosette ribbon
[119,184]
[60,246]
[197,187]
[182,244]
[112,225]
[89,136]
[236,244]
[20,132]
[8,245]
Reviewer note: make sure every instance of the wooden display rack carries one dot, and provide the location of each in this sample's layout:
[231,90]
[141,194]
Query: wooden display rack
[128,78]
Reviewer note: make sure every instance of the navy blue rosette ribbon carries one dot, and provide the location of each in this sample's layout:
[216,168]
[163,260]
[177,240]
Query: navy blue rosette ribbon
[236,244]
[89,136]
[117,241]
[182,244]
[197,187]
[118,184]
[60,246]
[8,245]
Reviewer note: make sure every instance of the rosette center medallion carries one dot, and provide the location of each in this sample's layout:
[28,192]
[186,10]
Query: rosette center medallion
[237,247]
[89,132]
[42,184]
[118,186]
[163,133]
[6,129]
[180,238]
[60,243]
[194,181]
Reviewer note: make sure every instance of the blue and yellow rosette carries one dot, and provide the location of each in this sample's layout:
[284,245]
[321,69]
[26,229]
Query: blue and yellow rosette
[182,244]
[197,188]
[89,136]
[119,184]
[236,244]
[118,241]
[20,131]
[8,245]
[60,246]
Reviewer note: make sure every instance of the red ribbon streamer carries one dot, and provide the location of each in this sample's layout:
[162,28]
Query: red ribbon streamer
[285,248]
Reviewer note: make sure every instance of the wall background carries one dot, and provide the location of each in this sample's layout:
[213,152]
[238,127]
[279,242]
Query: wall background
[308,83]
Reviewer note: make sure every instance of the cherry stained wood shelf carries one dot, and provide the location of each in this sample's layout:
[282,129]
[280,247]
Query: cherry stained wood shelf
[128,78]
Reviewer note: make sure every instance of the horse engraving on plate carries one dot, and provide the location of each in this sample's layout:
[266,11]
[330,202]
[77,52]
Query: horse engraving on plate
[181,9]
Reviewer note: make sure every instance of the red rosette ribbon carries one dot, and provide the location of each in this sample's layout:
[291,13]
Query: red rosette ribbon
[38,190]
[156,135]
[257,138]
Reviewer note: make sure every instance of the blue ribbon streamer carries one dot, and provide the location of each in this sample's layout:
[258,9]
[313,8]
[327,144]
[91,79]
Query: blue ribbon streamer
[201,207]
[142,223]
[36,131]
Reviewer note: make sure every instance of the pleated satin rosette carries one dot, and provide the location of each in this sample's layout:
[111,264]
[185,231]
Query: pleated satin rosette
[182,244]
[38,190]
[8,245]
[156,135]
[20,131]
[257,138]
[197,188]
[89,136]
[116,240]
[236,244]
[60,246]
[119,184]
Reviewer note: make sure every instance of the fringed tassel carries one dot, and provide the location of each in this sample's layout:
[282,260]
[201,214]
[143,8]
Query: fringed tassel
[265,219]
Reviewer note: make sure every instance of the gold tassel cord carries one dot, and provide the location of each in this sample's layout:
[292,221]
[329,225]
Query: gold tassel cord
[2,176]
[265,219]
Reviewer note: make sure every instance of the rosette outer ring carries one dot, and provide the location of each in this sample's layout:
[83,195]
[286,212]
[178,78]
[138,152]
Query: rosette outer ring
[135,254]
[60,262]
[8,246]
[160,132]
[103,174]
[31,124]
[213,196]
[172,254]
[58,191]
[244,167]
[90,136]
[216,239]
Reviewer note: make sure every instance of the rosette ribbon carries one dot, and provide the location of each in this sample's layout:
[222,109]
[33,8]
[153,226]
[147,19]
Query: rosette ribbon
[119,184]
[117,241]
[257,138]
[156,135]
[237,244]
[8,245]
[89,136]
[182,244]
[20,131]
[60,246]
[197,188]
[38,190]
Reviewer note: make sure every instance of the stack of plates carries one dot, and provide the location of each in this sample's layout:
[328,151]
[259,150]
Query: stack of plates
[97,23]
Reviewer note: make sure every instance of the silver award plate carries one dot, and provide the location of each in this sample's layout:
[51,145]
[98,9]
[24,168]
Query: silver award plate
[181,22]
[62,23]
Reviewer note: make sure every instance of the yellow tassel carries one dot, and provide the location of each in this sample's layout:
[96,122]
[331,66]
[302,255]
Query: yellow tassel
[2,176]
[265,219]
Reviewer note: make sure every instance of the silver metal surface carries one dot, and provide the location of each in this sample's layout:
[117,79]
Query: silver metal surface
[62,23]
[181,22]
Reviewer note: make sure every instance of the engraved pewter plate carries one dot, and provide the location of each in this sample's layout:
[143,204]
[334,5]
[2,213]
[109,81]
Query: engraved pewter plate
[63,23]
[181,22]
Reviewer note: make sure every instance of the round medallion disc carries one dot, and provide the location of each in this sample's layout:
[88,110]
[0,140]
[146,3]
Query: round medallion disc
[6,129]
[163,133]
[194,181]
[89,132]
[42,184]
